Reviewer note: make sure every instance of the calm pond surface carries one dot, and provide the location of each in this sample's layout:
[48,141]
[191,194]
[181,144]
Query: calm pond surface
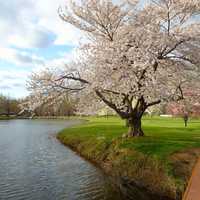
[35,166]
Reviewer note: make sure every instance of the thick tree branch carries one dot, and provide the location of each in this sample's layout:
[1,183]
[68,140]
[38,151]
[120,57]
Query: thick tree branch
[153,103]
[72,77]
[181,58]
[173,48]
[111,105]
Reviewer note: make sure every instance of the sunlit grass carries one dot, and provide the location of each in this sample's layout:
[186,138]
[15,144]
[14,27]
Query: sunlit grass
[154,159]
[6,117]
[163,136]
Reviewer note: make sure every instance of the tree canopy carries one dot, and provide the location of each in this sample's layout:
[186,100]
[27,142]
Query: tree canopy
[135,56]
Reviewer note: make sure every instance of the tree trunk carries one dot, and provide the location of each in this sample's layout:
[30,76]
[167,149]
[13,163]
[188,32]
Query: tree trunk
[135,127]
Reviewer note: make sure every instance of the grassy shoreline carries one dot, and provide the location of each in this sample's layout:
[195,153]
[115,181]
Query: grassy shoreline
[6,118]
[161,162]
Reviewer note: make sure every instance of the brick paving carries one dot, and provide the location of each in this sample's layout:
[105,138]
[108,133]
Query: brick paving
[193,189]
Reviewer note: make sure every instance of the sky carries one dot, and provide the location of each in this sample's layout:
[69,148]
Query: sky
[32,37]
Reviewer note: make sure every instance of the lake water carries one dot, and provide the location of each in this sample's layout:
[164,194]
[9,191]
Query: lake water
[35,166]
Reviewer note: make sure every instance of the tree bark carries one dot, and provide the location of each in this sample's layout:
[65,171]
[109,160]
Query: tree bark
[135,127]
[132,115]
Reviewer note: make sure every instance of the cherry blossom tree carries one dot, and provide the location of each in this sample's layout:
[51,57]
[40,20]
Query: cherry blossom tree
[135,56]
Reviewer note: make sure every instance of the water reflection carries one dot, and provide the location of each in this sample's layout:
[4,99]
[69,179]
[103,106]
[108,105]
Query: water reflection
[35,166]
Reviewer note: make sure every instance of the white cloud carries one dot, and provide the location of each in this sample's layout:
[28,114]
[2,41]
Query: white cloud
[11,75]
[12,82]
[32,37]
[19,57]
[59,62]
[28,24]
[34,24]
[18,25]
[49,18]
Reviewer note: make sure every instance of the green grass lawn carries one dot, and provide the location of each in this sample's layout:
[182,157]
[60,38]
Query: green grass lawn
[162,160]
[163,136]
[6,117]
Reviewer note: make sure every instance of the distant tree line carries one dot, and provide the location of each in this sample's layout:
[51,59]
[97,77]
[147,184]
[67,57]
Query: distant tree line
[9,106]
[62,108]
